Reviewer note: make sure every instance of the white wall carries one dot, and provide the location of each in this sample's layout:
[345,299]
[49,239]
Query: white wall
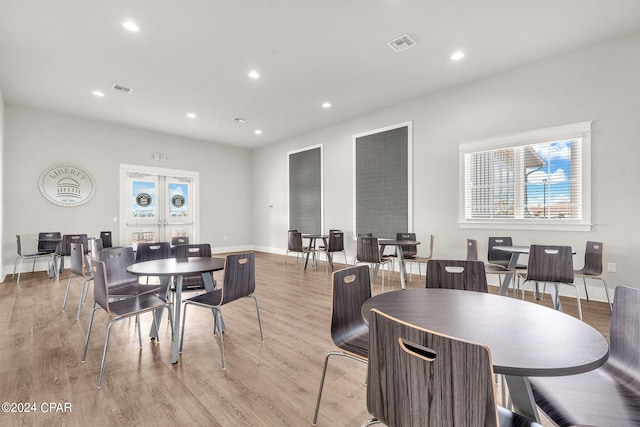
[37,139]
[1,180]
[599,83]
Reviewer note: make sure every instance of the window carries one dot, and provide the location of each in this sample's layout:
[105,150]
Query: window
[382,181]
[531,180]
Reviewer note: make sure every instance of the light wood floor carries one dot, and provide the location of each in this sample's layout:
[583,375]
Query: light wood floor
[265,384]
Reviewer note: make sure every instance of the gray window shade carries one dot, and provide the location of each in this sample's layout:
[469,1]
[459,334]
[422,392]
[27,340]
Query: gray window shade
[382,183]
[305,191]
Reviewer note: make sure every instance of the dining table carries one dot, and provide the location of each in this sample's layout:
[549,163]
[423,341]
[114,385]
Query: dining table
[313,238]
[167,268]
[399,254]
[525,339]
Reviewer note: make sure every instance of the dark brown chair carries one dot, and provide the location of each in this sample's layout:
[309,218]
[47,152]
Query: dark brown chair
[472,255]
[64,248]
[178,240]
[349,330]
[239,282]
[34,256]
[552,265]
[454,274]
[196,281]
[48,241]
[78,269]
[123,284]
[369,253]
[415,258]
[419,378]
[118,310]
[106,239]
[610,394]
[335,244]
[593,267]
[294,244]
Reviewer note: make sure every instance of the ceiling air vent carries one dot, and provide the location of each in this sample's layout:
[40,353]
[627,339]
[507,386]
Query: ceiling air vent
[401,43]
[121,89]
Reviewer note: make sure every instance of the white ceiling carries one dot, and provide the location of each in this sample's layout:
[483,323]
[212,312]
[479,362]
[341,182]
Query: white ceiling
[194,56]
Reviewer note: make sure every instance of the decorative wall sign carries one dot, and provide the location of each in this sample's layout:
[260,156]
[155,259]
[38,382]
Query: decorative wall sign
[66,185]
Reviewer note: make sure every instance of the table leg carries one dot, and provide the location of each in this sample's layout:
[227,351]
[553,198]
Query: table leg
[176,320]
[555,297]
[522,397]
[403,273]
[504,288]
[312,245]
[157,314]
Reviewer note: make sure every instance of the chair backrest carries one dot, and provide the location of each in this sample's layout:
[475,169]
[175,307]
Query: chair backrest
[550,264]
[106,239]
[495,255]
[150,251]
[408,250]
[19,244]
[593,259]
[116,262]
[351,288]
[100,288]
[239,277]
[368,249]
[96,247]
[472,250]
[419,378]
[336,241]
[294,243]
[64,249]
[625,327]
[48,241]
[179,240]
[454,274]
[194,250]
[77,259]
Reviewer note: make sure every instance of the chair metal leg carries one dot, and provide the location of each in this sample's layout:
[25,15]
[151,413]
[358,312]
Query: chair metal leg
[140,332]
[586,291]
[86,343]
[184,317]
[258,312]
[66,294]
[324,373]
[219,323]
[104,354]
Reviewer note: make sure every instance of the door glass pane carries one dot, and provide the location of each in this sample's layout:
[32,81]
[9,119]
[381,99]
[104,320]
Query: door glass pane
[178,201]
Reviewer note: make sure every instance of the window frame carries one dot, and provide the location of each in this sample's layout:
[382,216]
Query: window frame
[580,130]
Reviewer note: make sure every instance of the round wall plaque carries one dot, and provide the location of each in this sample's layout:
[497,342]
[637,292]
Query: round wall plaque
[66,185]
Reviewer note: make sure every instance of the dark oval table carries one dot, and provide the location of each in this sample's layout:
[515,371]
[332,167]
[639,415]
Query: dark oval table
[165,269]
[525,339]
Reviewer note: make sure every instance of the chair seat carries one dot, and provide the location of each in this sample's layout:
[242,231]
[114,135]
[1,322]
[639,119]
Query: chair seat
[571,400]
[138,304]
[128,289]
[357,342]
[505,264]
[212,298]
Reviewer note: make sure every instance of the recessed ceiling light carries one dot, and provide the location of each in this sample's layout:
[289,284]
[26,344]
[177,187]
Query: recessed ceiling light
[326,105]
[254,74]
[98,93]
[191,115]
[257,132]
[457,55]
[131,26]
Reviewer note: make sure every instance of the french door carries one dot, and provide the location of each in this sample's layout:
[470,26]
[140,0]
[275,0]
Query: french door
[157,204]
